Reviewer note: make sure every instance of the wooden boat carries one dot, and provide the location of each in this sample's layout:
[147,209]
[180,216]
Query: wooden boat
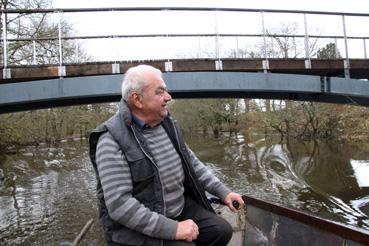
[266,223]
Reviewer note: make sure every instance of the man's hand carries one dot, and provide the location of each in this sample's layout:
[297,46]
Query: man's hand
[234,197]
[187,230]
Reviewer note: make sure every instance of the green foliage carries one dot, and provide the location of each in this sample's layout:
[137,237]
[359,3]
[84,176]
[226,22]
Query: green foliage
[302,120]
[328,52]
[288,119]
[309,120]
[207,114]
[50,125]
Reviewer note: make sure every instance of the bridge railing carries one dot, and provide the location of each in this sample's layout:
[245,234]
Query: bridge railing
[155,33]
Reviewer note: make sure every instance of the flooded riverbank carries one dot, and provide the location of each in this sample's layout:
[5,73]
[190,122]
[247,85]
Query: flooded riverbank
[47,194]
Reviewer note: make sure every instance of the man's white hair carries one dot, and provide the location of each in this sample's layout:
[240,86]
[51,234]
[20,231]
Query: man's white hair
[134,80]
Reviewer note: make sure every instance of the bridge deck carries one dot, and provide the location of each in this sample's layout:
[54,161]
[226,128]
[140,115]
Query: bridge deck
[359,68]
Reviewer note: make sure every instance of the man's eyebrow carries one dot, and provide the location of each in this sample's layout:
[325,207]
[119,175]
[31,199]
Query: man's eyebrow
[162,88]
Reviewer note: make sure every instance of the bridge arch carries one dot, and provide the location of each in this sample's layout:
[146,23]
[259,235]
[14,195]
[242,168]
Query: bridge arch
[211,84]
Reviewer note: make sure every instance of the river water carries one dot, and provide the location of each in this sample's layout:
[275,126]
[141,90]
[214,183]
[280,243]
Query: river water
[47,194]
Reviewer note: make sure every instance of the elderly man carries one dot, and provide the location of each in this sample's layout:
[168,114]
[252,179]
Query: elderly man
[150,185]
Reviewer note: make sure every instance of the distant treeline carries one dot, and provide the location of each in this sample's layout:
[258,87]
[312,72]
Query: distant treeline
[52,125]
[288,119]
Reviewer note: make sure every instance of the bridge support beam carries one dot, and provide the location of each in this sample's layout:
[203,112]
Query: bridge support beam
[107,88]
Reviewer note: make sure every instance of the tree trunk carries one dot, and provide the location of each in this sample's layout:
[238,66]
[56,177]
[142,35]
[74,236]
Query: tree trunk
[247,105]
[267,105]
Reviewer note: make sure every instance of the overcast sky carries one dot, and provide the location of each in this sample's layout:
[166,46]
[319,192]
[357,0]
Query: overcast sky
[110,23]
[361,6]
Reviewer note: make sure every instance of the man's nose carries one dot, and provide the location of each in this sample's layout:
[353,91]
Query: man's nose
[167,96]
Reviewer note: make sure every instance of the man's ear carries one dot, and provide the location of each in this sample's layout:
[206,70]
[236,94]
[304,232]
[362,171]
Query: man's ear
[136,100]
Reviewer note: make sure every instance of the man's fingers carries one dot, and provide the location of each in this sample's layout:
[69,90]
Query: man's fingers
[196,229]
[187,230]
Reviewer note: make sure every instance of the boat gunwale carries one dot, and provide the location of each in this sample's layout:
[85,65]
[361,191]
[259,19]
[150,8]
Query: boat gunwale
[344,231]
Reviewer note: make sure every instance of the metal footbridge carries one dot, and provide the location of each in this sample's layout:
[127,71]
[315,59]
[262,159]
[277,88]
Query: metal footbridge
[203,53]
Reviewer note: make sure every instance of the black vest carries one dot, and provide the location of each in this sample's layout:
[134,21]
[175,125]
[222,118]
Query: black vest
[147,187]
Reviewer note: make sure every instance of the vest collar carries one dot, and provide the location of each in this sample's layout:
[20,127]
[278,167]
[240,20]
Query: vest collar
[125,112]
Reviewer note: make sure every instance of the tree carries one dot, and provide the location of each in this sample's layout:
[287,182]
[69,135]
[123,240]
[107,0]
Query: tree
[330,51]
[207,114]
[287,45]
[37,32]
[53,124]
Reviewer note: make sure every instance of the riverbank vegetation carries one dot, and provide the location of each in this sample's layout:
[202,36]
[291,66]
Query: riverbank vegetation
[52,125]
[285,119]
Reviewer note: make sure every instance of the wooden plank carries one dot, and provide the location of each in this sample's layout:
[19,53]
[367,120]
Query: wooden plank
[359,68]
[193,65]
[284,64]
[250,65]
[88,69]
[34,72]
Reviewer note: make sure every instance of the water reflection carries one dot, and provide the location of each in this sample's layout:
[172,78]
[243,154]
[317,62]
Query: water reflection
[329,173]
[48,194]
[317,177]
[361,171]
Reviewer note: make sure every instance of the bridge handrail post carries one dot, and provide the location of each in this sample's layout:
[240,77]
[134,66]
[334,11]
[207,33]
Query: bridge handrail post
[60,41]
[265,61]
[347,61]
[217,56]
[167,51]
[61,70]
[77,51]
[4,40]
[307,50]
[5,55]
[237,48]
[34,51]
[114,40]
[218,63]
[200,50]
[335,49]
[6,70]
[365,54]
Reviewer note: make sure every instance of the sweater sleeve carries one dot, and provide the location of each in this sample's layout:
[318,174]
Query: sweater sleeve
[210,182]
[115,177]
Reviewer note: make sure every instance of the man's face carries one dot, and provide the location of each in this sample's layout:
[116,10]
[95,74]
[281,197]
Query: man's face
[154,99]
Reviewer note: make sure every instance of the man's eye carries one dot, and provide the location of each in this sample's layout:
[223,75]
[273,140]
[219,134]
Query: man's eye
[160,91]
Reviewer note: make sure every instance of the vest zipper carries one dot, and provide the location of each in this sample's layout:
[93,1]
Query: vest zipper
[184,159]
[157,168]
